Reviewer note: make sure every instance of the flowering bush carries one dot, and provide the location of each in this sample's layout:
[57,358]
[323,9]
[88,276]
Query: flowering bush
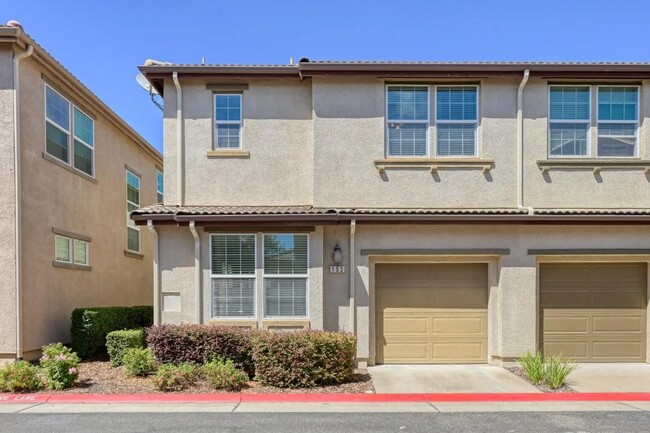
[174,377]
[137,362]
[224,375]
[18,377]
[60,366]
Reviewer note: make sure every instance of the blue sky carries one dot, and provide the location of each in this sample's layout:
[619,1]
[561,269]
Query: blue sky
[102,42]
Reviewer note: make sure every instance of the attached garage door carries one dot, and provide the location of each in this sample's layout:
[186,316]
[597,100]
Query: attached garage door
[594,312]
[431,313]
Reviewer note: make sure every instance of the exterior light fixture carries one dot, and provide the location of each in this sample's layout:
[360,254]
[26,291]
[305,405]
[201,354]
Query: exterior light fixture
[337,256]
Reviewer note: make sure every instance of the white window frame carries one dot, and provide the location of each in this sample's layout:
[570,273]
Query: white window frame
[296,276]
[158,191]
[252,276]
[73,256]
[637,122]
[549,122]
[70,133]
[135,227]
[387,122]
[239,122]
[475,122]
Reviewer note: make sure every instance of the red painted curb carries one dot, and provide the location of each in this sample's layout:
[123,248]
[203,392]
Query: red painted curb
[319,398]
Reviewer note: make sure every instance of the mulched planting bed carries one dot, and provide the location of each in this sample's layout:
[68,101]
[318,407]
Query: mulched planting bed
[518,371]
[98,377]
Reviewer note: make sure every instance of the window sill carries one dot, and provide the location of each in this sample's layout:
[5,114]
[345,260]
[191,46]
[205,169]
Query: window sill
[594,164]
[434,164]
[236,153]
[133,255]
[71,169]
[285,324]
[64,265]
[240,323]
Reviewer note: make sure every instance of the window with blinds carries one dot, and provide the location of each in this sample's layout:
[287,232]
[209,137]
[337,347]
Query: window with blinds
[456,120]
[233,275]
[407,120]
[285,275]
[618,121]
[569,119]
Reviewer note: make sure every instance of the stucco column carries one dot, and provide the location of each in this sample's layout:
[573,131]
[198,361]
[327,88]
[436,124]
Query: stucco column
[316,265]
[365,327]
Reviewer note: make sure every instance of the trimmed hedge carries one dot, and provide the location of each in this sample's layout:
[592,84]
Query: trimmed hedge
[91,325]
[118,342]
[200,344]
[303,358]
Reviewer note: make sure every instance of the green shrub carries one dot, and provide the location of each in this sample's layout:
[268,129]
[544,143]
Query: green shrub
[138,361]
[118,342]
[19,377]
[556,370]
[60,366]
[198,344]
[303,358]
[171,377]
[533,365]
[224,375]
[91,325]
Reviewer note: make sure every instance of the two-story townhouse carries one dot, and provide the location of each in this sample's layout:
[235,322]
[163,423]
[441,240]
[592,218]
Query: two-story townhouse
[443,212]
[71,171]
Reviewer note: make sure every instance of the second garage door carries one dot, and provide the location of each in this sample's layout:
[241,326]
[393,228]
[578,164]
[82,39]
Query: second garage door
[431,313]
[594,312]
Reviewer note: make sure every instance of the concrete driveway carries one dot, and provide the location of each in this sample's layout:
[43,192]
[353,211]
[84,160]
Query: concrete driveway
[398,379]
[610,378]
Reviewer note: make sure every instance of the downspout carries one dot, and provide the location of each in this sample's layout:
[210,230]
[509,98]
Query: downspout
[353,315]
[180,145]
[197,273]
[156,274]
[17,202]
[520,145]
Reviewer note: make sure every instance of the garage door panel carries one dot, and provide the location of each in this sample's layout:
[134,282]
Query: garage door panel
[565,324]
[617,299]
[406,352]
[463,326]
[403,275]
[619,324]
[577,350]
[466,351]
[613,350]
[564,298]
[406,325]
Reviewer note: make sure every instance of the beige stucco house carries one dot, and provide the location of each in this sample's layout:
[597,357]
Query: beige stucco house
[443,212]
[70,171]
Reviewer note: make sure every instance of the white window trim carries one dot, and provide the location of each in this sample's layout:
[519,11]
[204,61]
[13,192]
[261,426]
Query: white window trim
[305,276]
[239,122]
[388,122]
[628,122]
[587,154]
[475,122]
[71,241]
[252,276]
[135,227]
[70,133]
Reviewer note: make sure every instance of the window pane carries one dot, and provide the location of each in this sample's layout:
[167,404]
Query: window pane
[228,136]
[233,254]
[456,103]
[132,188]
[568,139]
[285,297]
[285,254]
[407,139]
[62,249]
[617,139]
[159,186]
[408,103]
[569,103]
[83,127]
[456,139]
[133,239]
[57,109]
[130,208]
[618,103]
[228,107]
[233,297]
[56,142]
[80,252]
[83,158]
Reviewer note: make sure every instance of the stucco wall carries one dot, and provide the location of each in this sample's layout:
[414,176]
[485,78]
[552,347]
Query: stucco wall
[55,197]
[7,208]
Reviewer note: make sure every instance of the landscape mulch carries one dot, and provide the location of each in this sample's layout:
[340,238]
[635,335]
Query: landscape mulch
[518,371]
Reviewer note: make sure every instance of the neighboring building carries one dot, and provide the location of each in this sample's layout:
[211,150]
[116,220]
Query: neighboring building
[71,172]
[481,209]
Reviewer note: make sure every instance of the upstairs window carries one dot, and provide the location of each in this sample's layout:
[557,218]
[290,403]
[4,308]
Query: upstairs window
[228,121]
[407,120]
[456,120]
[618,121]
[61,118]
[569,121]
[159,186]
[285,275]
[233,275]
[132,203]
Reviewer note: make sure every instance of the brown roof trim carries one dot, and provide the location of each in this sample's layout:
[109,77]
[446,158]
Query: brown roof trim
[589,251]
[437,252]
[20,39]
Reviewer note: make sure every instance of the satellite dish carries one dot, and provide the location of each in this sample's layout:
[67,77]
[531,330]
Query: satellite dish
[145,84]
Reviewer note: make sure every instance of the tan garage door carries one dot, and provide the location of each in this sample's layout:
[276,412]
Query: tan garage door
[431,313]
[594,312]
